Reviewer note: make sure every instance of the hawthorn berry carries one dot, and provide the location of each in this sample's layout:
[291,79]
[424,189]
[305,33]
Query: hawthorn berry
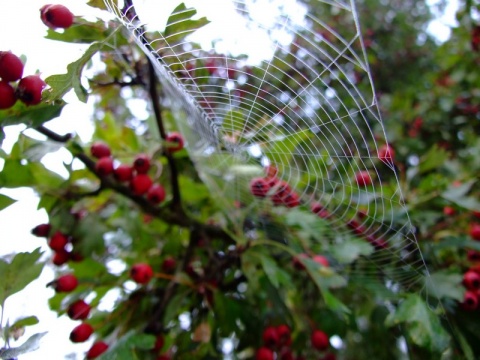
[356,228]
[322,260]
[286,354]
[362,178]
[141,273]
[169,264]
[156,194]
[79,310]
[259,187]
[475,231]
[140,184]
[470,301]
[42,230]
[104,166]
[66,283]
[7,95]
[473,255]
[471,280]
[81,333]
[319,340]
[386,153]
[448,211]
[100,150]
[163,357]
[297,261]
[29,90]
[177,139]
[97,349]
[141,164]
[316,207]
[264,353]
[159,342]
[58,241]
[11,67]
[270,337]
[60,257]
[284,335]
[56,16]
[270,172]
[291,200]
[123,173]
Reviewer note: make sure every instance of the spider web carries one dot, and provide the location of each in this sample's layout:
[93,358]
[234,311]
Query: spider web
[310,111]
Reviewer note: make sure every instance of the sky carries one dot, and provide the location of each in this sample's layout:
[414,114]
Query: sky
[49,58]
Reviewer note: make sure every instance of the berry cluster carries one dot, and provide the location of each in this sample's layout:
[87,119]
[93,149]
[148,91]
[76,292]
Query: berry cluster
[471,278]
[60,243]
[278,190]
[136,174]
[28,89]
[277,341]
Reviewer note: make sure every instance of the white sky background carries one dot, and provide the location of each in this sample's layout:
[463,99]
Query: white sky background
[21,31]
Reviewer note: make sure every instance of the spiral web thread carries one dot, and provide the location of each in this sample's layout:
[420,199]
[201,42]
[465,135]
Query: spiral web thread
[319,127]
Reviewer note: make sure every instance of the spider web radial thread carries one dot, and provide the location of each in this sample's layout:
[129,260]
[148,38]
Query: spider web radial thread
[303,111]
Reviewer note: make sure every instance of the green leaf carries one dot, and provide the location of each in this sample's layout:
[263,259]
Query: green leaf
[61,84]
[444,284]
[281,149]
[234,122]
[180,24]
[433,159]
[422,324]
[100,4]
[32,344]
[349,250]
[80,33]
[31,116]
[128,346]
[5,201]
[275,274]
[20,272]
[26,321]
[458,195]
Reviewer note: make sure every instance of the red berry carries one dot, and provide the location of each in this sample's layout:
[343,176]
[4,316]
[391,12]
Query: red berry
[104,166]
[316,207]
[141,164]
[41,230]
[97,349]
[357,229]
[286,354]
[11,67]
[270,172]
[322,260]
[163,357]
[81,333]
[476,214]
[60,257]
[140,184]
[475,231]
[319,340]
[471,280]
[362,178]
[123,173]
[159,342]
[284,335]
[470,301]
[66,283]
[297,263]
[282,190]
[79,310]
[473,255]
[29,90]
[175,138]
[291,200]
[7,95]
[264,353]
[270,337]
[100,150]
[156,194]
[386,153]
[448,211]
[259,187]
[56,16]
[58,241]
[169,264]
[141,273]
